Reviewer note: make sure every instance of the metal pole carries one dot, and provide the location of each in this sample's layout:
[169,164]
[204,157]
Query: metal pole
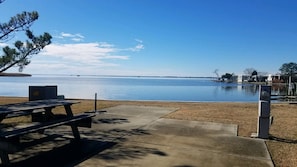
[95,102]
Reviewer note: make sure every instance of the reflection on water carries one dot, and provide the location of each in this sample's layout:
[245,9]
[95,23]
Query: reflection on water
[137,88]
[253,89]
[248,89]
[279,91]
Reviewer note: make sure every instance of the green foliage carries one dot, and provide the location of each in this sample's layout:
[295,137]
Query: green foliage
[288,69]
[227,76]
[20,22]
[249,71]
[21,53]
[254,73]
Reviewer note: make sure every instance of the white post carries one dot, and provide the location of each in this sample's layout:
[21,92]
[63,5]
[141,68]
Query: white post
[239,79]
[290,89]
[269,79]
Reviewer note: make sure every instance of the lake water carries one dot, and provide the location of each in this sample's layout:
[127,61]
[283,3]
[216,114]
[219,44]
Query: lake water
[134,88]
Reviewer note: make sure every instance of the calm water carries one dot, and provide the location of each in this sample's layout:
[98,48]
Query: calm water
[134,88]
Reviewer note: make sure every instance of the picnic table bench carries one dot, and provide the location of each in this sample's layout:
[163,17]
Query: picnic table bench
[42,118]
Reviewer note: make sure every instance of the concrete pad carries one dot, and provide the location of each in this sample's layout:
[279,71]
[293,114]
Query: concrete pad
[205,141]
[129,135]
[124,120]
[140,111]
[168,142]
[144,154]
[191,128]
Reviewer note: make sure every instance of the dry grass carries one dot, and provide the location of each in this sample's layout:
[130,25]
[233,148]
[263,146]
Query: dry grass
[283,146]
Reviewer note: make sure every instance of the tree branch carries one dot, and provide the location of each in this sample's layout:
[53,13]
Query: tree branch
[20,22]
[18,61]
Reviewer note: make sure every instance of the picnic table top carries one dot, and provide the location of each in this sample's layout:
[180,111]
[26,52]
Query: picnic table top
[32,105]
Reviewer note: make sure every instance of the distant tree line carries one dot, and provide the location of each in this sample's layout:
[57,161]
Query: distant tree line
[289,70]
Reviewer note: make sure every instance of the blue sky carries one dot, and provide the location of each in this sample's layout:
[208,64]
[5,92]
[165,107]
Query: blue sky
[160,37]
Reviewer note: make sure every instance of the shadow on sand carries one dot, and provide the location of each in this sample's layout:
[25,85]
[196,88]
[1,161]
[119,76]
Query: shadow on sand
[283,140]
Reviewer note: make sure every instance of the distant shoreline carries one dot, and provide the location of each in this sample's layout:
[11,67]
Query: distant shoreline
[14,75]
[119,76]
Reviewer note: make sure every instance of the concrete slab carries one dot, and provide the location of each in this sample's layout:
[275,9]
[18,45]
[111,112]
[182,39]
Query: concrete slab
[168,142]
[191,128]
[144,154]
[129,135]
[205,144]
[140,111]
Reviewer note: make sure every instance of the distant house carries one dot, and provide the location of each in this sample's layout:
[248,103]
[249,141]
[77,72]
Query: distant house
[270,78]
[254,78]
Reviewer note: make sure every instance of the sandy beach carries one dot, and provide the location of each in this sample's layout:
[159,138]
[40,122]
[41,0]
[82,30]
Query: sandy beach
[282,144]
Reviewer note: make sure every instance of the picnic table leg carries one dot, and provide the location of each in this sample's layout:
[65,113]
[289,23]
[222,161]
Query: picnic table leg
[2,116]
[4,157]
[48,113]
[73,125]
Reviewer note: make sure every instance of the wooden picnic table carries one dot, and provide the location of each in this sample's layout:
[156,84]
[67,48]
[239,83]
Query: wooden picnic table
[45,119]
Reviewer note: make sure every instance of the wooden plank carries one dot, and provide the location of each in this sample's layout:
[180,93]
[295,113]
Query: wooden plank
[43,126]
[24,113]
[17,114]
[33,105]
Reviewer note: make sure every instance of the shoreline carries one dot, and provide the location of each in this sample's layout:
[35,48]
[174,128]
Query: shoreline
[162,101]
[281,145]
[14,75]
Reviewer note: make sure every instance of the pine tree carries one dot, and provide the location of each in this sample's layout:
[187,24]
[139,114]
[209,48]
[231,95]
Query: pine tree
[19,55]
